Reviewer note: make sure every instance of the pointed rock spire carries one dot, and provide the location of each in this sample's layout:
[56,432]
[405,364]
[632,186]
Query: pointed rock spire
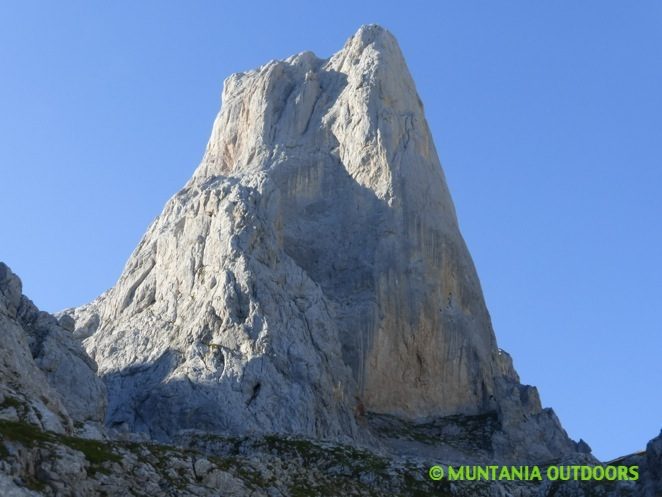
[313,259]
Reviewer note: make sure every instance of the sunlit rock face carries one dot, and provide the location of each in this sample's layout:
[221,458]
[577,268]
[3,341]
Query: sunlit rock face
[361,205]
[312,266]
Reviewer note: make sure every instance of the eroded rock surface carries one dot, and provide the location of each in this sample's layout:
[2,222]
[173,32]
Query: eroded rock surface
[310,270]
[45,375]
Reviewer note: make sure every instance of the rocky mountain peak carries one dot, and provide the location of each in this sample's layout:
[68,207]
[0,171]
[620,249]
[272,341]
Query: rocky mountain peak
[303,318]
[311,272]
[296,102]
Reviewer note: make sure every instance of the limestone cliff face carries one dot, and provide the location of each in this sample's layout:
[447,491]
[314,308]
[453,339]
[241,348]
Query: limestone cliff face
[311,264]
[364,210]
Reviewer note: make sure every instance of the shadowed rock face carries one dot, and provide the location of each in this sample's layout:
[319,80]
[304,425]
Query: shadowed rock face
[312,262]
[46,378]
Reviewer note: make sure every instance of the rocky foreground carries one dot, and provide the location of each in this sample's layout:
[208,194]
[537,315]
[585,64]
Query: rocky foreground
[38,463]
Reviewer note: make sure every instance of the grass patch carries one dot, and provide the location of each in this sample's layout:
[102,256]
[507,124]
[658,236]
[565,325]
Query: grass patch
[24,433]
[97,453]
[12,402]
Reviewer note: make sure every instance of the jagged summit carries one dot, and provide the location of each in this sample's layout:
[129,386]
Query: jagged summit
[369,34]
[310,270]
[286,101]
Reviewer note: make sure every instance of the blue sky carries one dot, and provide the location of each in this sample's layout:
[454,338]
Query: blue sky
[547,117]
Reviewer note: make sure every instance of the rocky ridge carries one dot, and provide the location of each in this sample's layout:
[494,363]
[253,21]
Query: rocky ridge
[47,378]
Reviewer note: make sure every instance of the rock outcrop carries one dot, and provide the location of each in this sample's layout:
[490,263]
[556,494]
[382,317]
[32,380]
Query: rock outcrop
[310,270]
[45,375]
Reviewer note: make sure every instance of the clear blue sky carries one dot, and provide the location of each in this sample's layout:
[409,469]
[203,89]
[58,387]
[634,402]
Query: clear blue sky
[547,117]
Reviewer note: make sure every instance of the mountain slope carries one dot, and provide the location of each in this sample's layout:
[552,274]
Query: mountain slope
[310,271]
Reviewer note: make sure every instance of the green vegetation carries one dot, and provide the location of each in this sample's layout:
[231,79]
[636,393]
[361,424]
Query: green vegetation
[97,453]
[24,433]
[12,402]
[297,467]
